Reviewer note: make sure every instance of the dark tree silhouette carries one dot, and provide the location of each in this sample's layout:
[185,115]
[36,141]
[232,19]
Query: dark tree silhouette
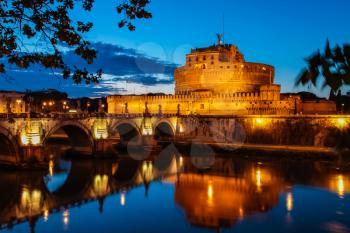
[34,31]
[333,65]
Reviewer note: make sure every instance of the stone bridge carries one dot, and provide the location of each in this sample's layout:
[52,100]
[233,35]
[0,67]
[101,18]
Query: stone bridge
[23,138]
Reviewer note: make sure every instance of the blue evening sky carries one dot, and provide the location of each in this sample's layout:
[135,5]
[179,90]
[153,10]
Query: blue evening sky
[276,32]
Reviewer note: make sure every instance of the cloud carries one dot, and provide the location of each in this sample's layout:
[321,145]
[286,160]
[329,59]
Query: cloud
[122,67]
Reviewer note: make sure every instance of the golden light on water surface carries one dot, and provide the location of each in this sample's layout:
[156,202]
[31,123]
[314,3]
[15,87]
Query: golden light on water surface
[289,202]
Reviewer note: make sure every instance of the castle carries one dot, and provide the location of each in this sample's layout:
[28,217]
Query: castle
[218,81]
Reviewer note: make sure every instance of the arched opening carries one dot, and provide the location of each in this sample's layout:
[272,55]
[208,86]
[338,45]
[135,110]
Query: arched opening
[8,196]
[127,132]
[74,184]
[164,132]
[68,138]
[8,152]
[127,172]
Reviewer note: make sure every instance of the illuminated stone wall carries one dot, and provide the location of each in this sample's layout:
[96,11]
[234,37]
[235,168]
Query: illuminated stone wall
[327,131]
[205,103]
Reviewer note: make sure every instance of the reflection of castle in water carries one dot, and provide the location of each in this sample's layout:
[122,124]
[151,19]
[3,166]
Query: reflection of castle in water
[214,202]
[226,193]
[234,189]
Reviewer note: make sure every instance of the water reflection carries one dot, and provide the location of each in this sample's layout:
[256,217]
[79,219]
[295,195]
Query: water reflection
[215,201]
[223,195]
[340,184]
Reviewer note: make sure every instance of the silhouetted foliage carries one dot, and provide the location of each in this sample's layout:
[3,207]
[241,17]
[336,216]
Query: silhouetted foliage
[34,31]
[333,65]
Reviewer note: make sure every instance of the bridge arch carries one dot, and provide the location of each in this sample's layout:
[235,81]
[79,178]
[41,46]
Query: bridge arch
[127,172]
[127,130]
[164,129]
[79,136]
[9,148]
[76,185]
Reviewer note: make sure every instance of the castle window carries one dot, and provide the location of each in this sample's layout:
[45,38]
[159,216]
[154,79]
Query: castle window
[204,58]
[189,59]
[228,67]
[202,106]
[221,67]
[197,59]
[212,63]
[212,57]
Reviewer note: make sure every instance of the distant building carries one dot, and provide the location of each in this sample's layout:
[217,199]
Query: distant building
[318,106]
[348,93]
[12,102]
[309,103]
[218,81]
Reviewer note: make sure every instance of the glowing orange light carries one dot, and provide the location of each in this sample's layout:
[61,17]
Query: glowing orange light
[241,213]
[260,121]
[46,215]
[340,186]
[122,199]
[341,123]
[65,217]
[51,167]
[289,202]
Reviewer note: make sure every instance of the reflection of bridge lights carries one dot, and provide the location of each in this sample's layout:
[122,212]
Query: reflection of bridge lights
[122,199]
[339,183]
[51,167]
[181,160]
[31,200]
[210,193]
[289,202]
[258,178]
[46,215]
[241,213]
[65,217]
[147,170]
[340,186]
[101,185]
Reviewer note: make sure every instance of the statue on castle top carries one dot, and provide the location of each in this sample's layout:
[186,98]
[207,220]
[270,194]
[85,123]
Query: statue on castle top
[219,36]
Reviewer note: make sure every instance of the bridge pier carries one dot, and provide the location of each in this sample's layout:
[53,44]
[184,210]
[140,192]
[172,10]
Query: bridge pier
[104,147]
[32,154]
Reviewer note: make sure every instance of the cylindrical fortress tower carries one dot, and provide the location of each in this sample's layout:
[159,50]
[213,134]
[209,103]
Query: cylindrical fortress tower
[221,69]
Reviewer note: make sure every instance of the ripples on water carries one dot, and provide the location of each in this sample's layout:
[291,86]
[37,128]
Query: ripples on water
[172,192]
